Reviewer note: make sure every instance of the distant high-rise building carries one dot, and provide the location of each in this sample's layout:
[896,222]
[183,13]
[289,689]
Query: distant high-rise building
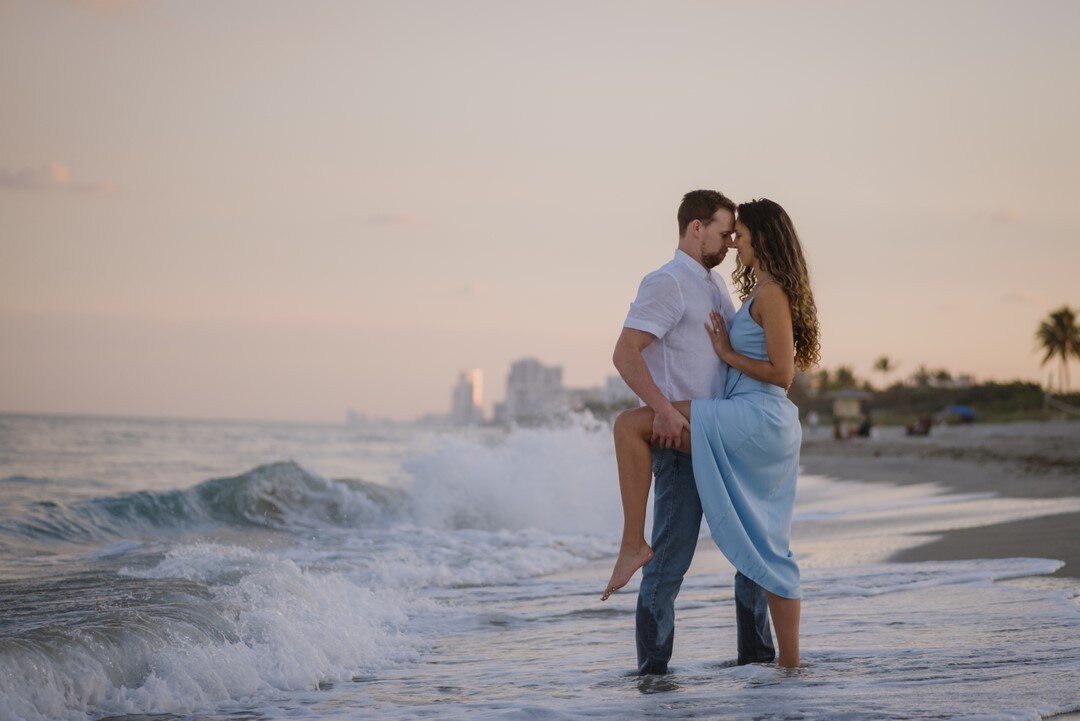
[533,391]
[467,400]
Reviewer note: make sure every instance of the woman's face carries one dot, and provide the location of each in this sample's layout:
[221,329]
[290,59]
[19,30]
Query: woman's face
[741,242]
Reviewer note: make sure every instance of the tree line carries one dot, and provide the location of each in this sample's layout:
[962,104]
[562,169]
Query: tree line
[1057,337]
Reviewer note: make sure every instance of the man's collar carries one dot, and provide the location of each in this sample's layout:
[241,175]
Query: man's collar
[683,257]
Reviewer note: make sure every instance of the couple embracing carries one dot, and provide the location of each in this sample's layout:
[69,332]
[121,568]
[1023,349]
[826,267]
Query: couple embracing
[717,429]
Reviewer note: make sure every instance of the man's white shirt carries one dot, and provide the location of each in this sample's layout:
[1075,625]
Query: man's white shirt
[673,304]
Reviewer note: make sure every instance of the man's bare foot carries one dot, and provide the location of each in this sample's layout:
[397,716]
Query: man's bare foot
[630,559]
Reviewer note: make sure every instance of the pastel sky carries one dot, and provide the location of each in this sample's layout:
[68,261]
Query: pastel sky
[281,210]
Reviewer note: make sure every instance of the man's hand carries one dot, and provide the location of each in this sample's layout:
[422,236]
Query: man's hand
[668,423]
[667,428]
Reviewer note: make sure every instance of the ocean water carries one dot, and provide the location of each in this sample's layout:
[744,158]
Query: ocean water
[220,570]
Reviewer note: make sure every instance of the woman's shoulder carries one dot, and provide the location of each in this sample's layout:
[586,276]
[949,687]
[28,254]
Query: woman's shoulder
[769,293]
[771,300]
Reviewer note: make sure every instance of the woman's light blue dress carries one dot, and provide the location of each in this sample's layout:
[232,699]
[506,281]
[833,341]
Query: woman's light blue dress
[745,450]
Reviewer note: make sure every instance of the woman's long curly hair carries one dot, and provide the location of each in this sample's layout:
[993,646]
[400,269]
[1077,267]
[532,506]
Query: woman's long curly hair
[779,253]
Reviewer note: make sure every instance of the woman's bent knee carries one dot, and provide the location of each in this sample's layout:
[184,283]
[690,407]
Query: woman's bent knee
[632,422]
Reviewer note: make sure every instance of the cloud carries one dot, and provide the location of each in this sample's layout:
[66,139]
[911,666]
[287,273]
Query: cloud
[1023,297]
[1007,216]
[55,176]
[467,292]
[101,5]
[391,219]
[1004,216]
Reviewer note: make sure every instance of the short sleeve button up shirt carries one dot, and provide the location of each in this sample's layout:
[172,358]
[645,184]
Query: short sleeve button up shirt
[673,304]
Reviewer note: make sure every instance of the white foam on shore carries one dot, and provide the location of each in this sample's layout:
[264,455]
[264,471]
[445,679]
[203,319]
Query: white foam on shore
[265,627]
[906,641]
[559,480]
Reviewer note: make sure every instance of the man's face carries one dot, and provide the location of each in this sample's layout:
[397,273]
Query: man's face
[716,237]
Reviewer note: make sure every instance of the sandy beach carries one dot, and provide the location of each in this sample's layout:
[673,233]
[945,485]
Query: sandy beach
[1018,460]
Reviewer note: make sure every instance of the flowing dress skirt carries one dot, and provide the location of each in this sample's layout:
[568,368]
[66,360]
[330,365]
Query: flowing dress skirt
[746,458]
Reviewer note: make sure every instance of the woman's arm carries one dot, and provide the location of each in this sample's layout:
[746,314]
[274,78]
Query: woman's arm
[779,370]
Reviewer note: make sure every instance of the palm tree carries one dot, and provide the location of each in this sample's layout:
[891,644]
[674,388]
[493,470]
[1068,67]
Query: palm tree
[824,380]
[844,377]
[1059,336]
[884,365]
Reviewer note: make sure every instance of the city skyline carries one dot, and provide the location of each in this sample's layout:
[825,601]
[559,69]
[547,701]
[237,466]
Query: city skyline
[256,210]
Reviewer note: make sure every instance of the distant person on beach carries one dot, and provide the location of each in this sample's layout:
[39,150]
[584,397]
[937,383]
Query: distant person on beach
[682,342]
[921,427]
[839,431]
[866,427]
[813,420]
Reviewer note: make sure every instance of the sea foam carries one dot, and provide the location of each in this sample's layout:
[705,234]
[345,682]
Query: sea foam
[250,626]
[561,480]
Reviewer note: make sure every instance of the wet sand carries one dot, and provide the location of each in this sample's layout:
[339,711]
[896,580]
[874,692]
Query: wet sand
[1019,460]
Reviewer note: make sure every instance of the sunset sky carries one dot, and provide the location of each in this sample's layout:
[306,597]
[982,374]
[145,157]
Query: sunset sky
[281,210]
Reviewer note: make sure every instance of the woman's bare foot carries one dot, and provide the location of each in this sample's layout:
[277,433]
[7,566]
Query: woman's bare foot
[631,558]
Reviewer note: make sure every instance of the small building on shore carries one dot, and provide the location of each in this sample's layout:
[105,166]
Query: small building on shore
[847,404]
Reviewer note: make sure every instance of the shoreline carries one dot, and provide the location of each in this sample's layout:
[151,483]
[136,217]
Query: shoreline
[1013,460]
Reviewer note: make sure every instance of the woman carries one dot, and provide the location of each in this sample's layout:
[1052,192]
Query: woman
[745,446]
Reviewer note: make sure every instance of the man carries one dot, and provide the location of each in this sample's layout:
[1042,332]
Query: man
[664,354]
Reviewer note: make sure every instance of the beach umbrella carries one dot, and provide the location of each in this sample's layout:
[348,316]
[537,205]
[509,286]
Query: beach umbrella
[962,411]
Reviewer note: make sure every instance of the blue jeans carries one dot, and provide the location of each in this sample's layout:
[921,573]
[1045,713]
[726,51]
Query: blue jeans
[676,522]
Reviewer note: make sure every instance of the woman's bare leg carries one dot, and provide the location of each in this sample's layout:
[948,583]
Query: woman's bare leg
[633,454]
[785,616]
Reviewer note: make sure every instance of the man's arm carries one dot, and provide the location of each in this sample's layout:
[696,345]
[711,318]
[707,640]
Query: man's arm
[668,424]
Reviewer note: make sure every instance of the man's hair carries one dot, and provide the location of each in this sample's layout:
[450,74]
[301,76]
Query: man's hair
[701,205]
